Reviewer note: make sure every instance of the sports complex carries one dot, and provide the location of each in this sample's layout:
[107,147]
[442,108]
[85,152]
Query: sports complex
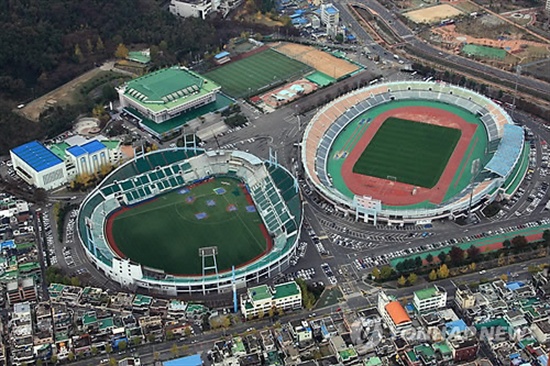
[412,152]
[192,221]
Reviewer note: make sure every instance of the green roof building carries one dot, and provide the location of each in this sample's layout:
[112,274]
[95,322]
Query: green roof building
[259,300]
[163,95]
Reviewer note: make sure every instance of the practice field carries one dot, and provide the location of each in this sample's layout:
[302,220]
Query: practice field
[484,51]
[412,152]
[167,232]
[324,62]
[255,73]
[433,14]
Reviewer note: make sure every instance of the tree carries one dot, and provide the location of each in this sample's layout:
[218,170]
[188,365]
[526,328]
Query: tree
[122,346]
[376,273]
[402,281]
[108,348]
[442,257]
[99,46]
[121,51]
[443,271]
[519,242]
[169,335]
[39,362]
[75,281]
[70,356]
[272,312]
[386,272]
[281,311]
[546,236]
[112,361]
[156,355]
[429,258]
[412,278]
[433,275]
[504,277]
[93,350]
[457,255]
[150,337]
[175,350]
[89,46]
[187,331]
[339,38]
[39,195]
[136,341]
[472,266]
[78,54]
[260,314]
[473,252]
[53,359]
[109,93]
[507,244]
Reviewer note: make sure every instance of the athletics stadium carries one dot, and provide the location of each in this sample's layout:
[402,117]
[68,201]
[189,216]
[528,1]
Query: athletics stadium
[411,152]
[185,220]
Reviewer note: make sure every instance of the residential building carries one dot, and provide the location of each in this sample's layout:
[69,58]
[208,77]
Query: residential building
[38,166]
[429,299]
[21,290]
[261,299]
[344,353]
[547,7]
[464,350]
[195,9]
[393,314]
[330,17]
[541,330]
[301,331]
[464,297]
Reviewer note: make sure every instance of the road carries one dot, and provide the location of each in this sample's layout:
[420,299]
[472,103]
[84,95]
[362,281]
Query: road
[409,38]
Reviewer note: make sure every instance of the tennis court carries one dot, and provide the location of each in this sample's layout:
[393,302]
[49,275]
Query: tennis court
[411,152]
[258,72]
[166,232]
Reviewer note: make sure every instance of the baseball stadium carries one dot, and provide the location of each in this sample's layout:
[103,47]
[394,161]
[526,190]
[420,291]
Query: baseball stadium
[183,220]
[411,152]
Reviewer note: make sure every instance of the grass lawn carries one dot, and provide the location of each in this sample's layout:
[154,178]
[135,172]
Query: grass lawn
[251,74]
[166,234]
[412,152]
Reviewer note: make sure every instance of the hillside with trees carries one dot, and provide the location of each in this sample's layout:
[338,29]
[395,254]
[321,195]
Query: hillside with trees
[46,43]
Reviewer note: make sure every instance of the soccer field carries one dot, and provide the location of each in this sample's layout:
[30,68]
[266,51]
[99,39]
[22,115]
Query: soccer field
[412,152]
[245,77]
[167,232]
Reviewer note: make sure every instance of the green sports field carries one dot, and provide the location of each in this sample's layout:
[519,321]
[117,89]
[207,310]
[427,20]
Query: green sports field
[412,152]
[246,77]
[166,234]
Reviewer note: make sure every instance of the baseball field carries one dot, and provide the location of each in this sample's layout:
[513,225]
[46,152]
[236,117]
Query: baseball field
[409,152]
[166,232]
[245,77]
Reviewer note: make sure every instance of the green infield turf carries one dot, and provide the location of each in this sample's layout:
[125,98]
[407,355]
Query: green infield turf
[167,232]
[246,77]
[412,152]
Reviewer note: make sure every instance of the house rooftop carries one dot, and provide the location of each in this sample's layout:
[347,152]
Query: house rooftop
[427,293]
[286,289]
[259,293]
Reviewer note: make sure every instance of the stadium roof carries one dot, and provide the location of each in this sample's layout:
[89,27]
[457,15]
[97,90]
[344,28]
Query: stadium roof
[37,156]
[397,312]
[508,151]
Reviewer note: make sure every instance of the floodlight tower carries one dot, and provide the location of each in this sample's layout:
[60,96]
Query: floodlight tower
[235,304]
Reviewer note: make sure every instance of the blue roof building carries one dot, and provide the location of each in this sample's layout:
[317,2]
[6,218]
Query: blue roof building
[38,165]
[193,360]
[36,156]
